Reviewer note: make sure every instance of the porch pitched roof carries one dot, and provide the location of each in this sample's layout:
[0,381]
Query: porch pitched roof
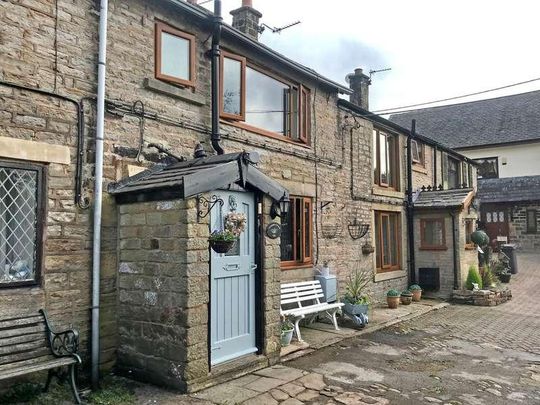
[509,189]
[454,198]
[192,177]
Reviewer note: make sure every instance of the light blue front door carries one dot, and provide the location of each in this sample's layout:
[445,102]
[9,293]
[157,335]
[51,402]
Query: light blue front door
[232,300]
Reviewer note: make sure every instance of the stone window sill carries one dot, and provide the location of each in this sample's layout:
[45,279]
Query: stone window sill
[388,193]
[390,275]
[173,91]
[417,167]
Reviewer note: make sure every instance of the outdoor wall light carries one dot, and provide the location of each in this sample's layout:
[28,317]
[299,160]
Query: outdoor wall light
[280,208]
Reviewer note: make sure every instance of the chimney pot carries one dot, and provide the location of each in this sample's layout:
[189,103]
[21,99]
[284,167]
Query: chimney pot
[359,84]
[247,3]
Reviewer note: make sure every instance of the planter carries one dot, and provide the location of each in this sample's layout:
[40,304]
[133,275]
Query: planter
[221,246]
[416,295]
[367,249]
[286,337]
[406,299]
[505,278]
[356,309]
[392,302]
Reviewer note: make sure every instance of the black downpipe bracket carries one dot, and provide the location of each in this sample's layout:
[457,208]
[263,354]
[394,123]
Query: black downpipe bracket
[217,21]
[410,207]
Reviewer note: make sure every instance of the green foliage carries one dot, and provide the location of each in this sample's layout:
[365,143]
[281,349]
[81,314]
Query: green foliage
[355,289]
[222,236]
[393,293]
[24,392]
[488,278]
[406,293]
[415,287]
[114,394]
[286,325]
[473,277]
[500,266]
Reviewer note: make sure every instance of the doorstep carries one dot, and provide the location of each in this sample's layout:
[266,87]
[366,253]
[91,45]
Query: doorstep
[318,335]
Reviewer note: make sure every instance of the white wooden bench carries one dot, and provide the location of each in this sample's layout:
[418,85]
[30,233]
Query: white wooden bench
[306,298]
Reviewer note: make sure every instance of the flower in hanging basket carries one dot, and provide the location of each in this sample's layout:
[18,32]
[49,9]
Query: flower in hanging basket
[222,241]
[235,223]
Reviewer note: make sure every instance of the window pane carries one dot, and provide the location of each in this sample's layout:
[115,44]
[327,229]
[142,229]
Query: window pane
[389,160]
[265,101]
[393,236]
[414,151]
[232,86]
[488,217]
[307,229]
[287,235]
[386,255]
[488,168]
[298,228]
[375,157]
[383,165]
[378,250]
[433,233]
[18,222]
[294,130]
[453,175]
[175,56]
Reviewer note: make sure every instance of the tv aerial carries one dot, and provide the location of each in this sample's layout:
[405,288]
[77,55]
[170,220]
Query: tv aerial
[276,30]
[372,72]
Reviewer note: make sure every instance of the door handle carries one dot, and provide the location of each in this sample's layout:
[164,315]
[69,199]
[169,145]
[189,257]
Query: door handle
[253,267]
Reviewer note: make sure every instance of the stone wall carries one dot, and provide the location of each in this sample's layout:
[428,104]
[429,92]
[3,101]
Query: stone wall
[518,227]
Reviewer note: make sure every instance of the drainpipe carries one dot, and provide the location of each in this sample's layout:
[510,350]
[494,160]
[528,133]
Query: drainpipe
[98,192]
[410,207]
[215,52]
[454,248]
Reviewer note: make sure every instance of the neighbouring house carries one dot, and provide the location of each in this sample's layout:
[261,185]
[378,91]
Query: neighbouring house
[172,311]
[502,135]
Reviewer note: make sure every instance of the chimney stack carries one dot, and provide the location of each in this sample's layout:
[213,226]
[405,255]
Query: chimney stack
[359,84]
[246,19]
[192,1]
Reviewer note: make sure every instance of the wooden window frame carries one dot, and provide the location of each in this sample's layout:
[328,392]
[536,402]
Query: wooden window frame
[469,222]
[393,158]
[242,60]
[423,244]
[161,27]
[379,249]
[535,215]
[420,147]
[304,123]
[41,209]
[306,258]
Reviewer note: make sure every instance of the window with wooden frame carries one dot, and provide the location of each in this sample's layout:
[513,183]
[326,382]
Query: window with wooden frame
[469,229]
[531,221]
[262,102]
[432,234]
[387,241]
[22,206]
[417,152]
[385,160]
[297,233]
[175,55]
[488,168]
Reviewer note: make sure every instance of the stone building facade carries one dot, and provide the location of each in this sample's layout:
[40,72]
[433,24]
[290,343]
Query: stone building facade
[47,88]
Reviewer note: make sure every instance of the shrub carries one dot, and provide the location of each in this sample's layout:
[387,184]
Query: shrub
[415,287]
[488,278]
[473,277]
[393,293]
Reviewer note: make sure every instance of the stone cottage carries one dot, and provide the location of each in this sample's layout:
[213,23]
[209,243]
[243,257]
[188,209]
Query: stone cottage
[276,132]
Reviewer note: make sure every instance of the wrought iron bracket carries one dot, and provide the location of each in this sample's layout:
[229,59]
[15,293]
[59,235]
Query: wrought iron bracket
[205,205]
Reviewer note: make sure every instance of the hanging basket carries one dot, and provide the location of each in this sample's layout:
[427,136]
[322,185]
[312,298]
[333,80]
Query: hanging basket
[221,246]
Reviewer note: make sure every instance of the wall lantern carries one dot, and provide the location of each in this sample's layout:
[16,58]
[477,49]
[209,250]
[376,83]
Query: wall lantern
[280,208]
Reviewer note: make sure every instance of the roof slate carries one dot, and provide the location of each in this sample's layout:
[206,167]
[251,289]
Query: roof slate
[509,189]
[453,198]
[486,122]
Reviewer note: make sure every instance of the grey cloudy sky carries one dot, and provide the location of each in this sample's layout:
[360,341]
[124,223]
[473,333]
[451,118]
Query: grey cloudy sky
[436,48]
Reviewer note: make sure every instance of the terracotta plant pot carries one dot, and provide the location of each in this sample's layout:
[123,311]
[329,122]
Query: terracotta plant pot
[416,295]
[406,299]
[221,246]
[392,302]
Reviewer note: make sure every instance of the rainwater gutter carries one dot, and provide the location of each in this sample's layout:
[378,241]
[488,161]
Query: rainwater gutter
[215,55]
[98,191]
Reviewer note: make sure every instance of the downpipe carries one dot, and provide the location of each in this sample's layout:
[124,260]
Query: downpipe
[410,206]
[98,191]
[215,54]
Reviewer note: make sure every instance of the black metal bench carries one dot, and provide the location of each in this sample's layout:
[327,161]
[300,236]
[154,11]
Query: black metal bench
[28,344]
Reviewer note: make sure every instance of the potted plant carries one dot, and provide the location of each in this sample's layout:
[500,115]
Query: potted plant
[406,297]
[287,330]
[502,270]
[367,249]
[356,297]
[392,298]
[473,279]
[221,241]
[416,291]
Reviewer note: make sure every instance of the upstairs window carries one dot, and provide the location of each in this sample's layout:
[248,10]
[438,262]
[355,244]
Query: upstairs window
[417,152]
[263,102]
[488,168]
[175,55]
[385,160]
[21,208]
[296,234]
[432,234]
[453,173]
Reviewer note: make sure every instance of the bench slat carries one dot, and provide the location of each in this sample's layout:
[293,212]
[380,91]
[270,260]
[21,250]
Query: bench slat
[300,283]
[311,309]
[17,322]
[23,347]
[26,363]
[21,331]
[21,339]
[45,364]
[26,355]
[305,288]
[303,299]
[301,294]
